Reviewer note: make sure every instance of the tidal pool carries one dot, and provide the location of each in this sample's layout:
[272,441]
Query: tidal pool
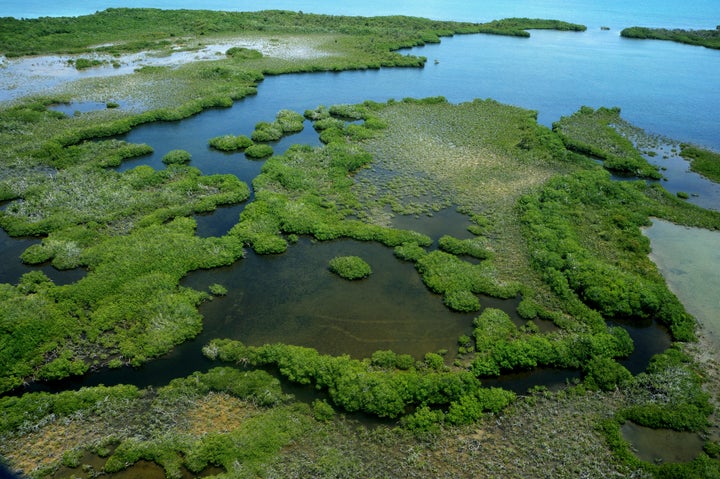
[661,445]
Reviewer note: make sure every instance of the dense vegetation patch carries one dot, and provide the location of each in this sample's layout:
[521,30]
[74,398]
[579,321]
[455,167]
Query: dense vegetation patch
[310,191]
[384,391]
[669,395]
[128,308]
[518,26]
[258,151]
[702,161]
[575,217]
[350,267]
[705,38]
[595,133]
[176,157]
[230,142]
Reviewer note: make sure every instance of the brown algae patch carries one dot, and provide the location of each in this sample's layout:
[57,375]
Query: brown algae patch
[217,413]
[46,445]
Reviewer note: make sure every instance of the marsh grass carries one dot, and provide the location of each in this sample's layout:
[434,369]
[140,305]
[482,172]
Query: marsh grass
[435,154]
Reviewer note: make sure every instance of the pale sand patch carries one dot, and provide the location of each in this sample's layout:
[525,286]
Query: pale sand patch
[21,77]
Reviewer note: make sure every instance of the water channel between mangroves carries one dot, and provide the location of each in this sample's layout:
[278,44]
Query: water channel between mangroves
[293,298]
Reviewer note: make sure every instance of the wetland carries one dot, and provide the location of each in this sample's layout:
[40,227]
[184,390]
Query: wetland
[183,319]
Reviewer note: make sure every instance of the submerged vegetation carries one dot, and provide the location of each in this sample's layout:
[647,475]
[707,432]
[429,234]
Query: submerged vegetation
[548,228]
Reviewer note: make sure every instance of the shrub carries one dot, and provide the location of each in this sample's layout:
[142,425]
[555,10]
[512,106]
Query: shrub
[218,290]
[319,113]
[176,157]
[384,359]
[290,121]
[404,361]
[84,63]
[462,301]
[230,142]
[606,374]
[259,151]
[322,411]
[265,131]
[409,251]
[423,419]
[329,122]
[350,267]
[471,247]
[434,361]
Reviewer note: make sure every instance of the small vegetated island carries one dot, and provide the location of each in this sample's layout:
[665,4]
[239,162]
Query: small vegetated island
[705,38]
[548,225]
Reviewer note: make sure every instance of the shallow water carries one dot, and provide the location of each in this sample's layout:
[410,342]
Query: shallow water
[12,268]
[678,178]
[294,298]
[689,259]
[661,445]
